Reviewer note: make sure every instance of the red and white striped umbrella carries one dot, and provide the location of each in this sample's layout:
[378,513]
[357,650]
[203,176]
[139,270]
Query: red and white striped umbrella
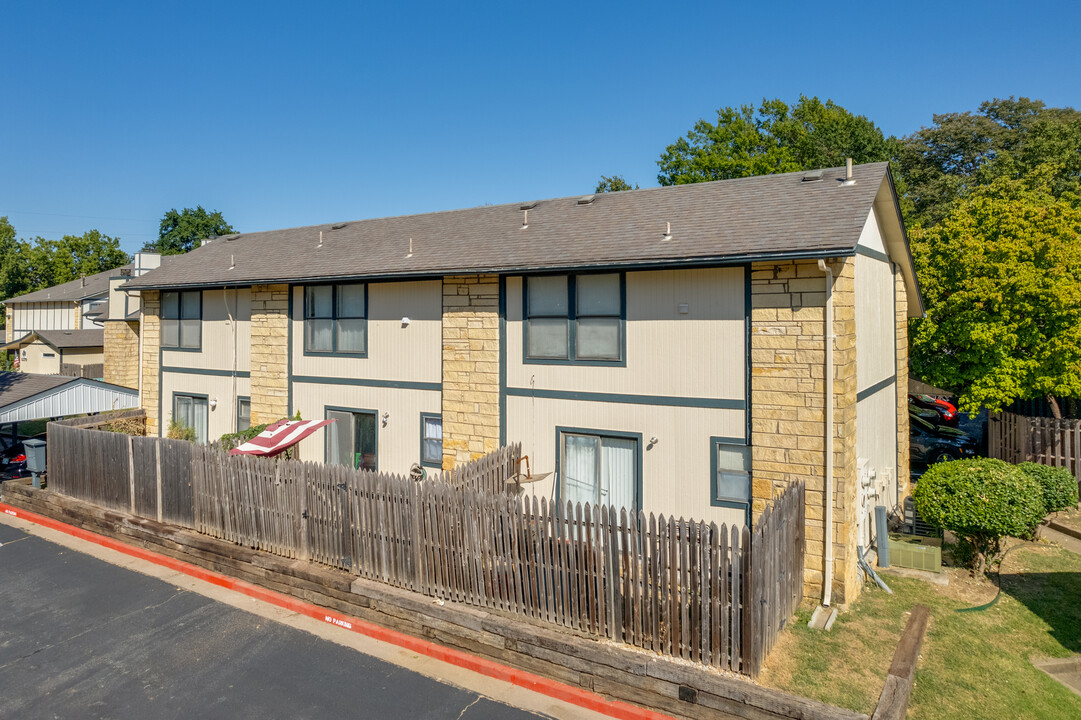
[279,437]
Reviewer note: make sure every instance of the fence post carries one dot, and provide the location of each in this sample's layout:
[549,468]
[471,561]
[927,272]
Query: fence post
[300,486]
[131,473]
[157,468]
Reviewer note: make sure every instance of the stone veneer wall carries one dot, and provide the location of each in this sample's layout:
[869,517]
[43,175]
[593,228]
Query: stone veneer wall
[470,367]
[9,321]
[788,407]
[269,353]
[77,316]
[151,332]
[901,295]
[121,354]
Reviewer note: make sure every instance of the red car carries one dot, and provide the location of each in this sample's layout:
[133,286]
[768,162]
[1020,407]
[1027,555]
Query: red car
[947,413]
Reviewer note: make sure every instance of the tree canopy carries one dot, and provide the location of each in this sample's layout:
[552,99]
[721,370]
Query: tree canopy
[181,232]
[1001,280]
[775,138]
[1020,139]
[615,183]
[52,262]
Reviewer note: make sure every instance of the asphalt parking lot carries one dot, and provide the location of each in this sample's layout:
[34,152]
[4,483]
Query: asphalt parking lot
[84,638]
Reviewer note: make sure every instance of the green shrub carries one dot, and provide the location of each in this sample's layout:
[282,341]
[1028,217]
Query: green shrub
[1058,485]
[180,431]
[980,501]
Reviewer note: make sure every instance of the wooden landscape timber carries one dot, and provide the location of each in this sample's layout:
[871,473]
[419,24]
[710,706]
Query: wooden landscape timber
[711,595]
[677,687]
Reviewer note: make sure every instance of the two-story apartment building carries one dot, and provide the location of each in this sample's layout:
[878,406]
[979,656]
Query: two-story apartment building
[663,349]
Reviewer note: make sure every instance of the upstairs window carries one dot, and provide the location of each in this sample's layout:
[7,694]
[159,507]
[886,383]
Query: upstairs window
[335,319]
[575,318]
[181,314]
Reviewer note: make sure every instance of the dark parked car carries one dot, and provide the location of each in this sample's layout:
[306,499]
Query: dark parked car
[946,412]
[931,444]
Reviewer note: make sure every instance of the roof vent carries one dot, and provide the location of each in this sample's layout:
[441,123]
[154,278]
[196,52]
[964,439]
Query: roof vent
[231,238]
[339,226]
[813,176]
[849,179]
[527,206]
[586,199]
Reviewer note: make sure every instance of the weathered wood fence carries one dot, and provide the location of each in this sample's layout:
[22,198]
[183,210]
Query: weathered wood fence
[713,595]
[1017,438]
[83,371]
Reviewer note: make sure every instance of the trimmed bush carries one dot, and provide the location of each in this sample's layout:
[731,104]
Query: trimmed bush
[1058,485]
[980,501]
[180,431]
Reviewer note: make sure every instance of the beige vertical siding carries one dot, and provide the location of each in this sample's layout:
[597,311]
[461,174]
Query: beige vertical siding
[676,474]
[221,419]
[876,363]
[399,440]
[226,328]
[396,352]
[42,316]
[697,354]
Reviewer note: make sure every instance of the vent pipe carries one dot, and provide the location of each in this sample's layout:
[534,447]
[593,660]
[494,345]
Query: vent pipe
[849,179]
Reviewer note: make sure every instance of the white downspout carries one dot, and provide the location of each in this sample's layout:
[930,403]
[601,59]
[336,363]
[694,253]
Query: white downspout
[827,580]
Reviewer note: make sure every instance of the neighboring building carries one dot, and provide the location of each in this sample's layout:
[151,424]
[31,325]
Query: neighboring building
[24,396]
[56,352]
[89,303]
[663,349]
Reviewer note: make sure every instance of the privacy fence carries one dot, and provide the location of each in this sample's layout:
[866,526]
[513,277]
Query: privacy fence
[713,595]
[1017,438]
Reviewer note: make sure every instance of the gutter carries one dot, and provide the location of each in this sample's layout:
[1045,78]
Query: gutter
[711,261]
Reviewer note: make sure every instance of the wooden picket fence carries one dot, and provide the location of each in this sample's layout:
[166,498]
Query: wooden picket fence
[1017,438]
[713,595]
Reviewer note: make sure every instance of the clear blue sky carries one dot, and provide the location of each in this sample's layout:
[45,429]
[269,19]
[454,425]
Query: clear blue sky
[286,114]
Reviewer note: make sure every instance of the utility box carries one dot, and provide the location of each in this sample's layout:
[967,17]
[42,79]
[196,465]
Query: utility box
[35,455]
[916,552]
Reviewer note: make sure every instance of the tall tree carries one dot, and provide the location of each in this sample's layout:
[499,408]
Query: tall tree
[181,232]
[1012,138]
[772,139]
[616,183]
[52,262]
[13,264]
[1001,279]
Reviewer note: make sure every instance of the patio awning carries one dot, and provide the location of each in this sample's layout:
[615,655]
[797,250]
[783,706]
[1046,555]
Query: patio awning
[279,437]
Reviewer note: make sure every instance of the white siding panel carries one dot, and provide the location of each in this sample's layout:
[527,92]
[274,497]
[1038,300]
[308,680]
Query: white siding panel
[222,418]
[42,316]
[399,352]
[699,353]
[226,329]
[876,364]
[399,441]
[676,473]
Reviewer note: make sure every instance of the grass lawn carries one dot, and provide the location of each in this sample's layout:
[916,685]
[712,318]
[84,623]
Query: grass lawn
[973,665]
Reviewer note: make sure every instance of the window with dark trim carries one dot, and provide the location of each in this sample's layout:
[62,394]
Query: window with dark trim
[243,413]
[431,440]
[192,411]
[731,483]
[335,319]
[181,319]
[353,439]
[575,318]
[597,468]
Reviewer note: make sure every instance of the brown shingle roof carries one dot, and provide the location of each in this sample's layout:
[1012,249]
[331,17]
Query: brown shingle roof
[16,386]
[728,220]
[63,339]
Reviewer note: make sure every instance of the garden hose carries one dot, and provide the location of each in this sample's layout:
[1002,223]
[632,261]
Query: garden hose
[998,577]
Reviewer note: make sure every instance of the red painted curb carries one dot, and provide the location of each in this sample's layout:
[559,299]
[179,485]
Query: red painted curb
[544,686]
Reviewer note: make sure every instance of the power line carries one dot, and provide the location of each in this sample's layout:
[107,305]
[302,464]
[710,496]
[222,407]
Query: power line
[83,217]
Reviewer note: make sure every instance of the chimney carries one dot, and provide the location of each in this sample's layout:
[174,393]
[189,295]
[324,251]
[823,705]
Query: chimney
[82,280]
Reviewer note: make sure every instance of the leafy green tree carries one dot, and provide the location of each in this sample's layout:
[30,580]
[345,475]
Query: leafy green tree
[1019,139]
[616,183]
[1001,280]
[13,265]
[180,232]
[773,139]
[52,262]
